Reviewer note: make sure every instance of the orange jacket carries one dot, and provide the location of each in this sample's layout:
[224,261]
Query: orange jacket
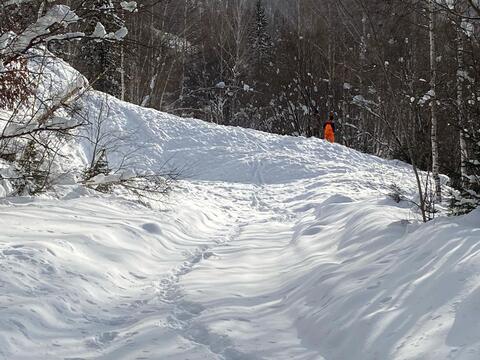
[329,131]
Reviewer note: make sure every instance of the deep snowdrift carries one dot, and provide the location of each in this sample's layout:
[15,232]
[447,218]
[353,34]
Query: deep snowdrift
[272,248]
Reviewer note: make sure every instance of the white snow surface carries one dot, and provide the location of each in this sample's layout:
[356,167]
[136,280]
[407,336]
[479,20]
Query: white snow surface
[272,247]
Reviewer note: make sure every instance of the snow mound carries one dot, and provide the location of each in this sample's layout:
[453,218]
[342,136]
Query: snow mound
[209,152]
[273,247]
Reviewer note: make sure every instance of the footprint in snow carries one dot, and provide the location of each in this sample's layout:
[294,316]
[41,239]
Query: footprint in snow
[102,339]
[152,228]
[374,286]
[314,230]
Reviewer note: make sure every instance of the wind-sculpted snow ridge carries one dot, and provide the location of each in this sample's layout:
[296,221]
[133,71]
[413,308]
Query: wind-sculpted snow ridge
[272,247]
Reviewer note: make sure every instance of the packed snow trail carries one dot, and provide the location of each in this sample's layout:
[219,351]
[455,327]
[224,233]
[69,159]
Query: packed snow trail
[273,248]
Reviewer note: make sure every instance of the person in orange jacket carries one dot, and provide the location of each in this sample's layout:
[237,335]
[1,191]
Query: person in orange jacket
[329,128]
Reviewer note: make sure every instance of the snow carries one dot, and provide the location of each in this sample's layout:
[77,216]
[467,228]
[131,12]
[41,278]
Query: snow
[271,247]
[130,6]
[468,28]
[112,178]
[220,85]
[5,40]
[99,31]
[68,36]
[121,33]
[360,101]
[56,14]
[464,76]
[427,97]
[59,83]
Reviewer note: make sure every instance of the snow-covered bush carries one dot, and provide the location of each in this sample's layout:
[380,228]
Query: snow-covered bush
[32,170]
[145,185]
[97,169]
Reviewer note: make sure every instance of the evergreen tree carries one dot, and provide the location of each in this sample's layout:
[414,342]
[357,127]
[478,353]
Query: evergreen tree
[468,197]
[100,57]
[473,167]
[261,41]
[99,166]
[32,177]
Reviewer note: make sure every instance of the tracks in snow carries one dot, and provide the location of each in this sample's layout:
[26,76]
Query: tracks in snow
[168,288]
[183,315]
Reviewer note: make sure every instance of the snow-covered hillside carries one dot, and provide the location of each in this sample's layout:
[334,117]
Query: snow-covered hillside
[271,248]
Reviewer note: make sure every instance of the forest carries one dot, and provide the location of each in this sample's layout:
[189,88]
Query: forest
[402,76]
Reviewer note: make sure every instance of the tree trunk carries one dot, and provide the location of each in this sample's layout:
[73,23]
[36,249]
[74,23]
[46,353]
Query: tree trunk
[122,71]
[460,104]
[363,88]
[433,86]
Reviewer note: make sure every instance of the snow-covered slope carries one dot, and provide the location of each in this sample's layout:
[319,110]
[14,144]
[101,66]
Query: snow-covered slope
[231,154]
[272,248]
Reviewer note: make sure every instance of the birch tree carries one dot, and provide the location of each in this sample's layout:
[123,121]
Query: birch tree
[461,113]
[433,104]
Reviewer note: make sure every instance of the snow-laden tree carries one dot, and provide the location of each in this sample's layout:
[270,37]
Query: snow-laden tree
[97,24]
